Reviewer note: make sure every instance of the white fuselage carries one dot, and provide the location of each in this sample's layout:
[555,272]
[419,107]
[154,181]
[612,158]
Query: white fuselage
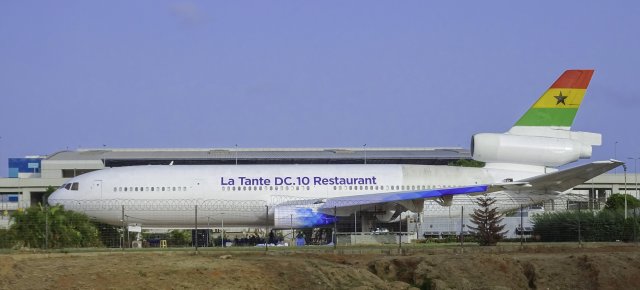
[166,196]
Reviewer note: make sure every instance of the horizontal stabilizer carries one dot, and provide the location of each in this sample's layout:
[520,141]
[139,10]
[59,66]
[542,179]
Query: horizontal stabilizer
[564,180]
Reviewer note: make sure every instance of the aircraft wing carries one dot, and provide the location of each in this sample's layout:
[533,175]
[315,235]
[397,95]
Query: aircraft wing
[559,181]
[409,199]
[549,183]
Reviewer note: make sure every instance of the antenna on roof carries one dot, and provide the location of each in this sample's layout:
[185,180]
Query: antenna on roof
[171,162]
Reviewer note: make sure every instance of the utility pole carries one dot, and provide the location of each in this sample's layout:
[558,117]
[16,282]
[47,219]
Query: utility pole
[365,152]
[462,226]
[196,233]
[355,222]
[222,223]
[46,226]
[615,154]
[400,234]
[266,229]
[635,173]
[122,236]
[335,227]
[624,166]
[521,227]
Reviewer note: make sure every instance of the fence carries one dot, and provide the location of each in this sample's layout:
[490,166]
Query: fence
[286,220]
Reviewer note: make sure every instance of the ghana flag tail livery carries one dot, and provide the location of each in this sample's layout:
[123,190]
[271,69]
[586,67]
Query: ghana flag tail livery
[542,137]
[558,106]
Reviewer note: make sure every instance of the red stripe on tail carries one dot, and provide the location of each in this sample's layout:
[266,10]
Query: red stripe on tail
[573,79]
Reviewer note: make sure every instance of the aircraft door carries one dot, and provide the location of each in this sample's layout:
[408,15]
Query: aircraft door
[96,189]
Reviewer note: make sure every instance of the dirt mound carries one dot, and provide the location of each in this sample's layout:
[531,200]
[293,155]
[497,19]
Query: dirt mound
[597,268]
[514,270]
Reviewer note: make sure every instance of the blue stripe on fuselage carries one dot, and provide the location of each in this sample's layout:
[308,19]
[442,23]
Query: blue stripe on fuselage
[434,193]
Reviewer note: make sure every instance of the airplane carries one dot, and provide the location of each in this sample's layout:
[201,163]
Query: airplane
[521,164]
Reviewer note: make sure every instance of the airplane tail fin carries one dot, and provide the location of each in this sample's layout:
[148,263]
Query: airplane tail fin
[542,137]
[557,107]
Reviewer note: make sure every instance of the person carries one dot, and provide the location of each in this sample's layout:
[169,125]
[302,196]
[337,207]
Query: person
[300,239]
[272,237]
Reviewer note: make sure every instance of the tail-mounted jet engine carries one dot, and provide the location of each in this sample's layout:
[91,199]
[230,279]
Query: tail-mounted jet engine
[533,150]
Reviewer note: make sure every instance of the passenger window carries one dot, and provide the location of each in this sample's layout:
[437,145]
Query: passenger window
[174,188]
[152,188]
[125,189]
[163,188]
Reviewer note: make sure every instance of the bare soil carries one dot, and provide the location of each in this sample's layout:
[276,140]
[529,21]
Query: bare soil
[540,267]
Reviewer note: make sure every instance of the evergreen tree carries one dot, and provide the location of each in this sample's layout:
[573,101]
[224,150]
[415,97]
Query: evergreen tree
[488,229]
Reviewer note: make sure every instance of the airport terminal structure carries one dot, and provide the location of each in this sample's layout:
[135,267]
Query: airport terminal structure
[29,177]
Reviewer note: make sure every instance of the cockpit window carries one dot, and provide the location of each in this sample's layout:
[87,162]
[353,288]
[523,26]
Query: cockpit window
[67,186]
[74,186]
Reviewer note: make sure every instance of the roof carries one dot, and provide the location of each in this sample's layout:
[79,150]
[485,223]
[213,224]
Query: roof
[113,157]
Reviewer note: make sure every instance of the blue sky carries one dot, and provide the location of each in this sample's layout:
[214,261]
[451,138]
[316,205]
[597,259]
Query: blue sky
[83,74]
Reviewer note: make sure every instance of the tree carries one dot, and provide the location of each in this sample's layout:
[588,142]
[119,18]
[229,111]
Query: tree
[50,189]
[467,163]
[488,229]
[180,238]
[53,226]
[616,202]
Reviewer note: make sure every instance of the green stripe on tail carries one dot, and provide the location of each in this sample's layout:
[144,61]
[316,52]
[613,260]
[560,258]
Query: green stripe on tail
[548,117]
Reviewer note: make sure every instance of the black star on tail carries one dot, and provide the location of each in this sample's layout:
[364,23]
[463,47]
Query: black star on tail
[560,99]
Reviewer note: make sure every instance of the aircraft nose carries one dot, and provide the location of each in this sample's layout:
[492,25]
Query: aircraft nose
[55,196]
